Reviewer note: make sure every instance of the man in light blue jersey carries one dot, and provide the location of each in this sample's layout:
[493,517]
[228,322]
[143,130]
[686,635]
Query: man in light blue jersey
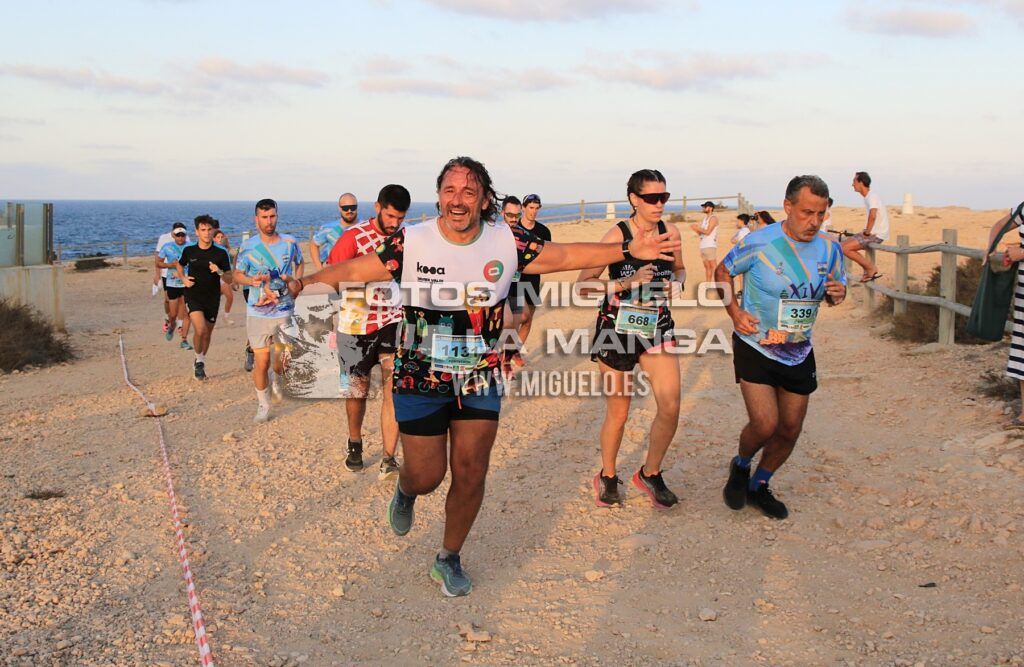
[325,237]
[788,269]
[264,263]
[167,258]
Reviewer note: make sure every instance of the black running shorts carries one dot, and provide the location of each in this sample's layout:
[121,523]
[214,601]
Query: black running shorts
[752,366]
[175,292]
[203,303]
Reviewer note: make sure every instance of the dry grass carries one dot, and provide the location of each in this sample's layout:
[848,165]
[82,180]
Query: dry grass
[921,323]
[28,339]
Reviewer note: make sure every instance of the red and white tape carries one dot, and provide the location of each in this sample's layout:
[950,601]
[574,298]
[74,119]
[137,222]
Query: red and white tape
[205,654]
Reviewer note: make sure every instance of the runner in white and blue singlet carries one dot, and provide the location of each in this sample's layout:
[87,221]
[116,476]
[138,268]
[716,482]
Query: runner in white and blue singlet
[788,269]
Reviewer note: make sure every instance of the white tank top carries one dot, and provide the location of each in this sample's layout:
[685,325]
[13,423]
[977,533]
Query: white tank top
[709,240]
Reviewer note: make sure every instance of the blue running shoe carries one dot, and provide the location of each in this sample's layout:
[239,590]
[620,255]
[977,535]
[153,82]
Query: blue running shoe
[185,345]
[449,573]
[400,511]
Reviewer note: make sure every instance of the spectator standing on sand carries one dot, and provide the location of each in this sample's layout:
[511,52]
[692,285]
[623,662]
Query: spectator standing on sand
[707,231]
[1015,253]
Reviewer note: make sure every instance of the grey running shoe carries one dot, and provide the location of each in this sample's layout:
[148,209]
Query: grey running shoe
[200,370]
[262,413]
[388,468]
[250,359]
[400,511]
[449,573]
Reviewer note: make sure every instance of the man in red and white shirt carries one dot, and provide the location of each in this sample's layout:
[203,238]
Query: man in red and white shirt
[368,330]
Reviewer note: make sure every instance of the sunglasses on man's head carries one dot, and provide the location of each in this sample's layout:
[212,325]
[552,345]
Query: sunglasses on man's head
[531,199]
[654,197]
[348,208]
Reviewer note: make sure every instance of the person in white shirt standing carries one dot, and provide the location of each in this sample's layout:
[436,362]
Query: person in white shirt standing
[707,230]
[742,228]
[875,231]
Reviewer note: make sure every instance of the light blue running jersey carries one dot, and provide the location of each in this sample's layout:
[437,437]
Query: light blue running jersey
[171,253]
[783,286]
[326,237]
[283,257]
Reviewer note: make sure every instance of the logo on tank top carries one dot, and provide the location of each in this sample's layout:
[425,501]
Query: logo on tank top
[432,270]
[493,270]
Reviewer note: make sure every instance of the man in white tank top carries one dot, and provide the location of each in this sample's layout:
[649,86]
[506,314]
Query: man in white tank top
[455,273]
[707,231]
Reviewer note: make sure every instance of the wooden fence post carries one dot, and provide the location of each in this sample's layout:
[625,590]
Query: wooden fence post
[899,307]
[684,209]
[124,252]
[583,210]
[947,290]
[869,294]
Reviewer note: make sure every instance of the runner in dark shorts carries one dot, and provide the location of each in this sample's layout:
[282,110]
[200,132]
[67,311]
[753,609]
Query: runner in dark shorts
[201,268]
[447,369]
[634,326]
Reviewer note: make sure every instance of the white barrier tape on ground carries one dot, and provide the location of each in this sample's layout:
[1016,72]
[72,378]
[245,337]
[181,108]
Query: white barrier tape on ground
[205,654]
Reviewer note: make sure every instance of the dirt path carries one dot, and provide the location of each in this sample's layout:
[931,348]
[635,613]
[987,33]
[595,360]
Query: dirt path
[903,547]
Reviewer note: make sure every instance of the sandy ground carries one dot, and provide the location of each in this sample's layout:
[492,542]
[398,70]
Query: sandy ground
[903,546]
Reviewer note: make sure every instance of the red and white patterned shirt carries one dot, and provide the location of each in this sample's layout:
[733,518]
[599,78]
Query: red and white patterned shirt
[356,317]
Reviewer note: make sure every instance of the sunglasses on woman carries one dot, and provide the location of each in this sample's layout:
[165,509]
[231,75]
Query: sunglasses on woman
[654,197]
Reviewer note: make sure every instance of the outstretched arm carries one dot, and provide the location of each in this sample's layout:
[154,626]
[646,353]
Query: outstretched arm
[363,269]
[555,257]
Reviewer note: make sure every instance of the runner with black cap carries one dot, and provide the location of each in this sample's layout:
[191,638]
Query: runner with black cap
[525,296]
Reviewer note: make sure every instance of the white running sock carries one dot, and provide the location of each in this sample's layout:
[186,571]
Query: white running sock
[263,396]
[201,358]
[179,323]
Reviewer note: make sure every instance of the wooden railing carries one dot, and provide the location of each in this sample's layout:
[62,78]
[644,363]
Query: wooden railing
[946,301]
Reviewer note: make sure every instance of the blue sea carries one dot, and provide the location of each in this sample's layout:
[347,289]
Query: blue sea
[91,226]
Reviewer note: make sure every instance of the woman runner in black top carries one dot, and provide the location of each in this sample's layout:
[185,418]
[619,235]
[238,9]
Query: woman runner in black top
[634,325]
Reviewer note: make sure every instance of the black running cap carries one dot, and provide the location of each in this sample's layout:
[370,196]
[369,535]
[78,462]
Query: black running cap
[708,203]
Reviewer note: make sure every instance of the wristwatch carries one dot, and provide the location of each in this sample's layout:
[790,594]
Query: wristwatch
[625,250]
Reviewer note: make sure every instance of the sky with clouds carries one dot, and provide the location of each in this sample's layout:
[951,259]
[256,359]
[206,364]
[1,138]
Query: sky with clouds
[188,99]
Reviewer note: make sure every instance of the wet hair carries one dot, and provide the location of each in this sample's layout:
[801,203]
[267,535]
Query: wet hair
[206,219]
[765,217]
[744,217]
[637,180]
[510,199]
[395,196]
[266,205]
[479,172]
[863,177]
[817,187]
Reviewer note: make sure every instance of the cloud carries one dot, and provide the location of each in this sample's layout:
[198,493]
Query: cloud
[85,79]
[107,147]
[912,22]
[211,80]
[547,10]
[214,72]
[673,72]
[467,83]
[385,65]
[20,120]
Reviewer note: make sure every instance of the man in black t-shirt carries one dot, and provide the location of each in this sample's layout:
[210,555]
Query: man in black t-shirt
[202,266]
[526,292]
